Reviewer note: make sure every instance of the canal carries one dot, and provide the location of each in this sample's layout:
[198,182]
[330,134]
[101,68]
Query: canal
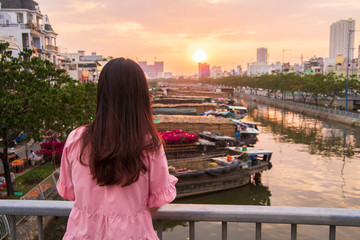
[316,163]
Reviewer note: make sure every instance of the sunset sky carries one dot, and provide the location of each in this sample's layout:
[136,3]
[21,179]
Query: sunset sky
[229,31]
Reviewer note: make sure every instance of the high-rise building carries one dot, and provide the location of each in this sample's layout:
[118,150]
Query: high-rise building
[340,33]
[216,72]
[262,55]
[152,71]
[204,69]
[239,70]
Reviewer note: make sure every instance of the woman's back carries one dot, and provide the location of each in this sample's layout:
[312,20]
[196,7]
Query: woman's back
[112,212]
[115,168]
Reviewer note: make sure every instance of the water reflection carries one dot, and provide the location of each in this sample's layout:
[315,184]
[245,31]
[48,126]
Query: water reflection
[321,138]
[254,193]
[315,164]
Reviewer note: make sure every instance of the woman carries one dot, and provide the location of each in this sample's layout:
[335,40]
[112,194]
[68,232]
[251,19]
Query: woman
[115,168]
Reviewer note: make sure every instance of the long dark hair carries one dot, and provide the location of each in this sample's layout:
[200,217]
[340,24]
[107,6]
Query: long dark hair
[123,128]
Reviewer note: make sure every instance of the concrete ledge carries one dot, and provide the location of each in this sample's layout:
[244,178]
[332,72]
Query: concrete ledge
[312,112]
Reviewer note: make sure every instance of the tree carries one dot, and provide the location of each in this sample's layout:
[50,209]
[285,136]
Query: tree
[75,105]
[314,86]
[333,85]
[293,83]
[28,88]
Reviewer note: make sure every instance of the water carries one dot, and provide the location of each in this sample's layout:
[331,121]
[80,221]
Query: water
[315,164]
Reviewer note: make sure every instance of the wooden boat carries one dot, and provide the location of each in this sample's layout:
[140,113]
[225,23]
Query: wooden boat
[244,136]
[246,132]
[228,172]
[225,111]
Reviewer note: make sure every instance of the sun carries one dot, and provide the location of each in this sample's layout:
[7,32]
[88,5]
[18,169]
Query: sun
[199,56]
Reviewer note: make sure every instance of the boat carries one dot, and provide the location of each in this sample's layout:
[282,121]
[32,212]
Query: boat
[239,111]
[225,111]
[246,132]
[226,172]
[219,139]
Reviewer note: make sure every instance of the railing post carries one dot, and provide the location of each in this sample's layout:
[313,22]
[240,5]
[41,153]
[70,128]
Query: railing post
[12,227]
[192,230]
[159,229]
[258,231]
[53,179]
[332,232]
[224,231]
[41,192]
[40,228]
[6,224]
[293,231]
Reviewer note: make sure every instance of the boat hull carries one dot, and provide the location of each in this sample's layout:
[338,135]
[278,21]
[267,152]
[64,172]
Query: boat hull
[217,179]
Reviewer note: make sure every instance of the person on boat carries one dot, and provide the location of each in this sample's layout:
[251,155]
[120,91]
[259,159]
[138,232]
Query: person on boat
[115,169]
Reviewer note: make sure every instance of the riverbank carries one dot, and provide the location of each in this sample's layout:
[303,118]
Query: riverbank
[353,119]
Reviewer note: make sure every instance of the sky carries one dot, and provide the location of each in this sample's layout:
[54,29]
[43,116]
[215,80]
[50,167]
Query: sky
[229,31]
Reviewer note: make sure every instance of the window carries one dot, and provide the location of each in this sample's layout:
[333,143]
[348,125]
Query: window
[20,18]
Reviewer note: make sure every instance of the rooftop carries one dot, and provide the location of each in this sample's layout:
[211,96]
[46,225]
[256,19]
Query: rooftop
[19,4]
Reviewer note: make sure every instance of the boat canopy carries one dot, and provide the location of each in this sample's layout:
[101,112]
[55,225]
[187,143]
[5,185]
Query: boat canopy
[238,108]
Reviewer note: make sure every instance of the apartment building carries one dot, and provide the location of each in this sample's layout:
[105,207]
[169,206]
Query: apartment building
[23,21]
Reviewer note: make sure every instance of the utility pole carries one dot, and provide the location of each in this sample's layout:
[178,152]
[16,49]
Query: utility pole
[347,68]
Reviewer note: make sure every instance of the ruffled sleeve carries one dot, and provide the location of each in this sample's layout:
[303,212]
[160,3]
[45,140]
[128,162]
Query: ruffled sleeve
[64,184]
[161,183]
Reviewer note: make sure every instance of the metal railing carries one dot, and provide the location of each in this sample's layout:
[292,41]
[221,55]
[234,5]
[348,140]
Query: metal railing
[4,227]
[22,25]
[43,189]
[52,48]
[192,213]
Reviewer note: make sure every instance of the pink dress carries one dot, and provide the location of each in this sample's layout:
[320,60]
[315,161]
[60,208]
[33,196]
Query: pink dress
[112,212]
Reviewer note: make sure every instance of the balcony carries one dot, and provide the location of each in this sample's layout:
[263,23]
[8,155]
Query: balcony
[192,213]
[52,48]
[22,26]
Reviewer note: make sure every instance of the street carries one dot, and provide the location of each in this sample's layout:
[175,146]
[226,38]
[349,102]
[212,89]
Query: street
[20,150]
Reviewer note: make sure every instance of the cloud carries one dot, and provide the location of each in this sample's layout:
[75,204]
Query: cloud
[336,5]
[85,6]
[127,26]
[172,30]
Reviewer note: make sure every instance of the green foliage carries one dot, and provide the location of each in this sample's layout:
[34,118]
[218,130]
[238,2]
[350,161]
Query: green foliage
[29,89]
[300,87]
[35,96]
[28,180]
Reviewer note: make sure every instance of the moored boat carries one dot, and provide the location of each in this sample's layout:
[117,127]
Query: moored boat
[225,111]
[246,132]
[226,172]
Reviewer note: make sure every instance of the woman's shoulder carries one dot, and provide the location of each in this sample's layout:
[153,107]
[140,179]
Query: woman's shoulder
[75,135]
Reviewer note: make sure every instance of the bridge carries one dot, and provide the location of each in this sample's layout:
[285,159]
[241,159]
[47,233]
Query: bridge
[192,213]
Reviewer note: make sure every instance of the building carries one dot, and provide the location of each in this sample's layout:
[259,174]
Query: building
[216,72]
[11,40]
[239,70]
[340,33]
[314,65]
[204,69]
[262,55]
[82,67]
[168,75]
[276,68]
[152,71]
[258,68]
[23,21]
